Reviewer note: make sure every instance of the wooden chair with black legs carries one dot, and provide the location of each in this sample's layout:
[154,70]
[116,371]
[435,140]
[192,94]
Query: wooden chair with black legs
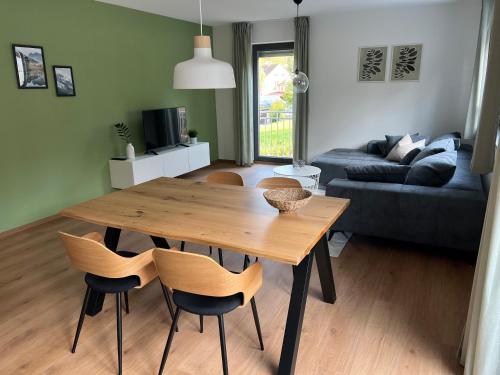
[279,183]
[226,178]
[203,287]
[108,272]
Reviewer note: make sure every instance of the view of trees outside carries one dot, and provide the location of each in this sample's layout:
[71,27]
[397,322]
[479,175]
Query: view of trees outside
[276,106]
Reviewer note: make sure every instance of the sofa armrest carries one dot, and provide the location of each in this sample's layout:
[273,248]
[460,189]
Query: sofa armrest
[423,214]
[373,147]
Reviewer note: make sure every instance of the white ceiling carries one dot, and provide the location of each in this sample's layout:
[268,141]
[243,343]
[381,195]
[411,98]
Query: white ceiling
[216,12]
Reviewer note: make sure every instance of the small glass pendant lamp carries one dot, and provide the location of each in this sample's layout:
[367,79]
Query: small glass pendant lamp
[203,71]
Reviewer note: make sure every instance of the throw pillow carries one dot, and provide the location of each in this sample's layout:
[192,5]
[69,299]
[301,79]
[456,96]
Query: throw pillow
[417,137]
[378,173]
[456,136]
[403,147]
[448,135]
[405,140]
[375,147]
[408,158]
[448,144]
[382,147]
[426,152]
[392,140]
[435,170]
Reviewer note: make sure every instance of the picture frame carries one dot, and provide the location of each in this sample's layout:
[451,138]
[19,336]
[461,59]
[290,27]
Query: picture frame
[406,62]
[372,64]
[29,62]
[64,80]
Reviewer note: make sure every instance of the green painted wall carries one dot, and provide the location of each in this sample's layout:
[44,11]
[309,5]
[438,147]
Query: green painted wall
[54,151]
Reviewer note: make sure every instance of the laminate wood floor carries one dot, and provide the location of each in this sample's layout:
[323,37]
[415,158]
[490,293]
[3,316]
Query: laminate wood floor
[400,310]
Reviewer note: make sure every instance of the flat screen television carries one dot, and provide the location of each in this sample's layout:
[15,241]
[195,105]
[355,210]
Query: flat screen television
[164,127]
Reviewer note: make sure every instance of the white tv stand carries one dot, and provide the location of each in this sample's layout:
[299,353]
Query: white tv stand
[170,162]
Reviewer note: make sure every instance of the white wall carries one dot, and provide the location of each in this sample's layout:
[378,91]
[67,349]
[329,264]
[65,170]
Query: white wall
[347,113]
[273,31]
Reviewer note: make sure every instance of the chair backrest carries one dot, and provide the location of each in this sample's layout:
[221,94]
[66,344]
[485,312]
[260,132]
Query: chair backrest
[278,183]
[199,274]
[226,178]
[91,256]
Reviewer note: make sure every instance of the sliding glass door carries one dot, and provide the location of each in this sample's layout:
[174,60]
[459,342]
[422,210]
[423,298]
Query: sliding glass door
[273,101]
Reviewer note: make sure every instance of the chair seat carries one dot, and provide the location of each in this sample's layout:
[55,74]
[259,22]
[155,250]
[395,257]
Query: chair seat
[204,305]
[110,285]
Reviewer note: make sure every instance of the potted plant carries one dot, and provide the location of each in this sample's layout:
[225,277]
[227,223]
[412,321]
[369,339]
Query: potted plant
[193,136]
[124,133]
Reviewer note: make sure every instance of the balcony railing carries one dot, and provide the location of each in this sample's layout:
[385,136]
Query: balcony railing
[276,134]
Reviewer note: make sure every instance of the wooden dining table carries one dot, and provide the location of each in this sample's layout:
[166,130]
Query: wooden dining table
[231,217]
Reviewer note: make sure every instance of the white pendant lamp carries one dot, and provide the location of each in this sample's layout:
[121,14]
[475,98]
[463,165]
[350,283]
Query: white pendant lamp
[203,71]
[300,80]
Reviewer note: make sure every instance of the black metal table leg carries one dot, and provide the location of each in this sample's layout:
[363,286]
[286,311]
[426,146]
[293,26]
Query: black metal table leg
[293,328]
[160,242]
[325,270]
[96,299]
[112,237]
[330,234]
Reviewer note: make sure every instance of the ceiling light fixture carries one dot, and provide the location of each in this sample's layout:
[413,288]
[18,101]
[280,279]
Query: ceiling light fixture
[203,71]
[299,79]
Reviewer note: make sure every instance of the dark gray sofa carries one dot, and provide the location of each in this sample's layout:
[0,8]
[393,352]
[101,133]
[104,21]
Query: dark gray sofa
[448,216]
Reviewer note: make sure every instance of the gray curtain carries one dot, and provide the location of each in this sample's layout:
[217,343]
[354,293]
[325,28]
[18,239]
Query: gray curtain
[480,352]
[301,101]
[243,108]
[484,105]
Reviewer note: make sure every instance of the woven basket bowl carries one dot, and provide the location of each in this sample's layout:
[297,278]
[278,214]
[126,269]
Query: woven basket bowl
[287,200]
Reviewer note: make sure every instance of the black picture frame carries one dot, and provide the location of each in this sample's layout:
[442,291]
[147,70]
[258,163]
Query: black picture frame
[69,89]
[41,71]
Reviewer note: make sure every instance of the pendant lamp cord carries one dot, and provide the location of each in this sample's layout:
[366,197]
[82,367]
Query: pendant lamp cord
[296,65]
[201,19]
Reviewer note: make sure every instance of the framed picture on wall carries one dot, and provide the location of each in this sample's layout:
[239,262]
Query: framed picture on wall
[406,61]
[65,84]
[30,67]
[372,64]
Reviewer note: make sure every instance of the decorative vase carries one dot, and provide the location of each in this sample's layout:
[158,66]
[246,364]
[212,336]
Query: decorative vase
[194,140]
[130,151]
[298,163]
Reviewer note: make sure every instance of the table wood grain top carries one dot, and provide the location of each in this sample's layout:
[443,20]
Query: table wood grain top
[230,217]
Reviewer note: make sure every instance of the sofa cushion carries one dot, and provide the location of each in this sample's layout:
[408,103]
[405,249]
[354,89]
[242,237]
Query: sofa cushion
[435,170]
[333,162]
[378,173]
[436,216]
[408,158]
[464,179]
